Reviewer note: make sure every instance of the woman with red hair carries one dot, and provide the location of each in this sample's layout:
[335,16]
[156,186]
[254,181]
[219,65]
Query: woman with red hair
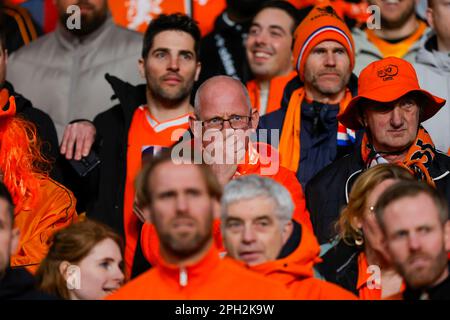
[42,205]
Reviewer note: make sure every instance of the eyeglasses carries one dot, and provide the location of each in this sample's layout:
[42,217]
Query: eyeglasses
[235,121]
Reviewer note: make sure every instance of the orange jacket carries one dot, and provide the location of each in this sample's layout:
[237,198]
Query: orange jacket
[260,158]
[55,210]
[276,88]
[212,278]
[296,272]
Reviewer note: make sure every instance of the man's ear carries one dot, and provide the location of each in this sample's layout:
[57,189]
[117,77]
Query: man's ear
[287,231]
[15,237]
[147,214]
[141,67]
[429,17]
[447,235]
[192,125]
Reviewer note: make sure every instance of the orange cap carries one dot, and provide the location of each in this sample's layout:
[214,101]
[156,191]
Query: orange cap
[384,81]
[321,24]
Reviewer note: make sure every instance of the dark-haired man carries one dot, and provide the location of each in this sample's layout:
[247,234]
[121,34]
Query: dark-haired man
[148,118]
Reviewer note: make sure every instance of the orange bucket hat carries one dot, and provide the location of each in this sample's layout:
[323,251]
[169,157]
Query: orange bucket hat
[384,81]
[321,24]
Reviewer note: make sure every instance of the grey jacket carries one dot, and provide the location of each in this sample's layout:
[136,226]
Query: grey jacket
[366,52]
[65,76]
[433,71]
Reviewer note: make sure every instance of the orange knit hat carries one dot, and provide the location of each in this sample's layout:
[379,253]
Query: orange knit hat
[321,24]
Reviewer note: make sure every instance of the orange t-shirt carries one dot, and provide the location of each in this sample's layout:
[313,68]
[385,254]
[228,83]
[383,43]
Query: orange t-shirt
[146,137]
[399,49]
[137,14]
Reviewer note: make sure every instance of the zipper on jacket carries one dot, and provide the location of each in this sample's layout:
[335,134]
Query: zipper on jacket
[183,277]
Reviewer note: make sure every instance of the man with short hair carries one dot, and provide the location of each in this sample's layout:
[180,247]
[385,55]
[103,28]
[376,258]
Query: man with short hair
[398,36]
[149,117]
[310,135]
[182,200]
[268,48]
[433,69]
[16,283]
[63,71]
[414,219]
[256,223]
[223,124]
[390,108]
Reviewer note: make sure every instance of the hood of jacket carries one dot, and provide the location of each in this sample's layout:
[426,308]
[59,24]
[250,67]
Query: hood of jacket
[297,265]
[430,57]
[22,103]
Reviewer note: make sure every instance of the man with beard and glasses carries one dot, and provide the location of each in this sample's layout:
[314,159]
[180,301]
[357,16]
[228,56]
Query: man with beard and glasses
[398,35]
[181,201]
[149,117]
[63,72]
[310,135]
[414,220]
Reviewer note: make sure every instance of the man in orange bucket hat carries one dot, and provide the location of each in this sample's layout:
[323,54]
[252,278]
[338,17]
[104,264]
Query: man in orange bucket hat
[390,107]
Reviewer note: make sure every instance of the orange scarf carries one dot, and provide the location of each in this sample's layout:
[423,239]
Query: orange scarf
[290,135]
[418,159]
[400,49]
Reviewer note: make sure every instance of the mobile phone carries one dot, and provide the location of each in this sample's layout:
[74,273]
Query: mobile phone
[86,164]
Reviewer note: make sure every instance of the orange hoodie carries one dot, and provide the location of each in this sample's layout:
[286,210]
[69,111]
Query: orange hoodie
[296,272]
[276,88]
[212,278]
[54,210]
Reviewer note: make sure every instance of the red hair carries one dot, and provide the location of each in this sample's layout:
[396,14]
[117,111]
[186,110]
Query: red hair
[21,160]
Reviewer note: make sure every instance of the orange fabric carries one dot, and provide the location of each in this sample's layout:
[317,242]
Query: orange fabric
[211,278]
[387,80]
[321,24]
[54,210]
[290,135]
[419,157]
[145,131]
[276,88]
[296,273]
[263,156]
[136,14]
[399,49]
[366,293]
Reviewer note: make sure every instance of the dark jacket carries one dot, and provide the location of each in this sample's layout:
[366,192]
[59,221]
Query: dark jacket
[323,149]
[222,52]
[19,284]
[107,181]
[18,26]
[439,292]
[327,193]
[44,126]
[340,266]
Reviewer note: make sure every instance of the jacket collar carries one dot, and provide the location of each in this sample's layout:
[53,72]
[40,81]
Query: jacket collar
[429,56]
[21,102]
[192,274]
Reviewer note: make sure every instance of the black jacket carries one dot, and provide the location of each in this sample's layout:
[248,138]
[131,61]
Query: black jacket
[327,193]
[222,52]
[19,284]
[439,292]
[107,181]
[45,129]
[340,266]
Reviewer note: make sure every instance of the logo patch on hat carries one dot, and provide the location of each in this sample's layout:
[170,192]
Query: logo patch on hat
[388,72]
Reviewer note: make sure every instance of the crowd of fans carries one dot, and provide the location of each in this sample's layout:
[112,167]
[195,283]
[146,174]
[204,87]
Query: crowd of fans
[294,150]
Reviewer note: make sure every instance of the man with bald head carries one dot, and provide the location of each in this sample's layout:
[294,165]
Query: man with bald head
[223,121]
